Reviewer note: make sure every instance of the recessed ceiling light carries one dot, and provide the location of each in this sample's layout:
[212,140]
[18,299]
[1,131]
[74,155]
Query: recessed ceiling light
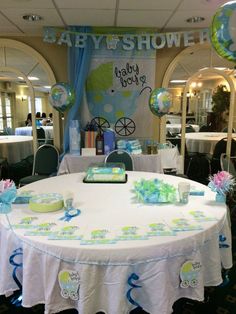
[195,19]
[32,17]
[47,86]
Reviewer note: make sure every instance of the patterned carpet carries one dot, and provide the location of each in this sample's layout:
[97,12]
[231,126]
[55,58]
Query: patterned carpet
[219,300]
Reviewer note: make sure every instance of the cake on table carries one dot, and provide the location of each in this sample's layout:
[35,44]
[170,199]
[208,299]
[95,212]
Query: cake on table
[106,172]
[47,202]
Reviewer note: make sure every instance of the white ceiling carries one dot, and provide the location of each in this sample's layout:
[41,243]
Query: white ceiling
[161,14]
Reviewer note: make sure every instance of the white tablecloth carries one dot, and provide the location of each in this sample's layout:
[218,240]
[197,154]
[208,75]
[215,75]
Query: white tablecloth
[14,148]
[103,275]
[203,142]
[166,158]
[27,130]
[176,128]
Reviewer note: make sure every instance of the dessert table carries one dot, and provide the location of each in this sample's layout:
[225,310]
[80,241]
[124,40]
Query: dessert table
[14,148]
[27,130]
[176,128]
[166,158]
[204,142]
[118,253]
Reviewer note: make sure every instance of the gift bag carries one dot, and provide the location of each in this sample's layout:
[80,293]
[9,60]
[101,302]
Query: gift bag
[90,139]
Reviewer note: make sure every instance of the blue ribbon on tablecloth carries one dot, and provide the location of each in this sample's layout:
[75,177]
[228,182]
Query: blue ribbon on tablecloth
[17,298]
[17,252]
[69,214]
[132,277]
[222,244]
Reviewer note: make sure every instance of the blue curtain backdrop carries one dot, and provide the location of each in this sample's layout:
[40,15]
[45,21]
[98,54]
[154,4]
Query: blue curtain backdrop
[78,67]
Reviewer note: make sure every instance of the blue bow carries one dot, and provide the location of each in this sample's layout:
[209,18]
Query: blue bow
[71,213]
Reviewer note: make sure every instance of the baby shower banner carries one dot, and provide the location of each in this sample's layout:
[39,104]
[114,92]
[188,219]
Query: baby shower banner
[129,40]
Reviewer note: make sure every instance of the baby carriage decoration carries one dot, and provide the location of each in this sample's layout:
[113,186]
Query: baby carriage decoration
[123,126]
[100,123]
[189,274]
[69,284]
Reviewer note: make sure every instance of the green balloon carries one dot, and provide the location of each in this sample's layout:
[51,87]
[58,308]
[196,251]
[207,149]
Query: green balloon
[160,101]
[223,31]
[62,96]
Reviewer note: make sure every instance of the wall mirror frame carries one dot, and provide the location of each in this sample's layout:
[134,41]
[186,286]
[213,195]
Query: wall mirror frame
[207,68]
[231,81]
[7,65]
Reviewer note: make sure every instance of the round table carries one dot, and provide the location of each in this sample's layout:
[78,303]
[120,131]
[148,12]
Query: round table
[176,128]
[27,130]
[203,142]
[14,148]
[118,253]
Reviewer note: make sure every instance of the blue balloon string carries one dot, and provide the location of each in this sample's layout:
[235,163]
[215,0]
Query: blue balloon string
[17,252]
[132,277]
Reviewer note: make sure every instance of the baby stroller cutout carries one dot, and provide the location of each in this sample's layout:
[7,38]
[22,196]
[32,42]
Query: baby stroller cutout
[124,126]
[189,274]
[69,284]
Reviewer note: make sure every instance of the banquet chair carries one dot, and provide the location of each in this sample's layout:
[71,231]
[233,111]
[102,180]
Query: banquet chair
[3,168]
[225,130]
[205,128]
[120,155]
[41,136]
[46,161]
[228,164]
[188,129]
[9,131]
[199,168]
[220,148]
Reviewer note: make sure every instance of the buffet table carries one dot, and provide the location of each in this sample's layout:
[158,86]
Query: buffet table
[27,130]
[118,253]
[204,142]
[14,148]
[166,158]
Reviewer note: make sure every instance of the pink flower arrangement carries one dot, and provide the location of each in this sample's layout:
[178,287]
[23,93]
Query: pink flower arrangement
[5,184]
[7,195]
[221,182]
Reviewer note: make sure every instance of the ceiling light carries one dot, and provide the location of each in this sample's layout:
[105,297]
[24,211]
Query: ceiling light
[32,17]
[220,68]
[195,19]
[32,78]
[178,81]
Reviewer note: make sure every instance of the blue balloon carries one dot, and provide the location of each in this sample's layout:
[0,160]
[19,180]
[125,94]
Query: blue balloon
[62,96]
[160,101]
[223,31]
